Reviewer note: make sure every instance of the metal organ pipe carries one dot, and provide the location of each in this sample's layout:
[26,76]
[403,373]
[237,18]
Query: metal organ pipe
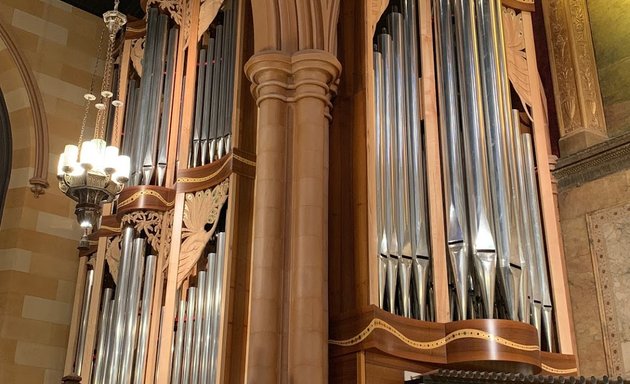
[380,204]
[475,154]
[388,169]
[506,234]
[457,232]
[145,317]
[103,335]
[114,356]
[200,315]
[401,190]
[540,256]
[89,281]
[166,111]
[131,313]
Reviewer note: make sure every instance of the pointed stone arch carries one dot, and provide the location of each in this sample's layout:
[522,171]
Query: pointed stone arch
[294,25]
[38,135]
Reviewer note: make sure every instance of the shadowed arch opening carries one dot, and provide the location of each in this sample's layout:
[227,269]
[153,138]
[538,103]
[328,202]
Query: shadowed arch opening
[6,149]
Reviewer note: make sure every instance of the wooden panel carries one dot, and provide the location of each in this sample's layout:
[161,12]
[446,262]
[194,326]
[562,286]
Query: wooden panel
[149,197]
[418,346]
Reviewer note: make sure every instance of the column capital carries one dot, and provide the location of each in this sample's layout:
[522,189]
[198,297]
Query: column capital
[71,379]
[284,76]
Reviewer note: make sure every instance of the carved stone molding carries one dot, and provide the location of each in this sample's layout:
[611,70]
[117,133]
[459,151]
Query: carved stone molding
[577,93]
[278,28]
[593,163]
[39,180]
[608,233]
[276,75]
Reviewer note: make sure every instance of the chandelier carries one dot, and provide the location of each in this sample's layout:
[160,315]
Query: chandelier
[93,173]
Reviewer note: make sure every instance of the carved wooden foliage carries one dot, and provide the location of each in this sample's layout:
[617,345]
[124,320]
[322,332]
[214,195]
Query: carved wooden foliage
[147,222]
[173,7]
[515,52]
[200,208]
[207,13]
[137,52]
[112,256]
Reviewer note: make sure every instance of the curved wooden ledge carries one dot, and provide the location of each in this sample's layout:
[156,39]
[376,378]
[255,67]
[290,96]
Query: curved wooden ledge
[145,197]
[483,344]
[209,175]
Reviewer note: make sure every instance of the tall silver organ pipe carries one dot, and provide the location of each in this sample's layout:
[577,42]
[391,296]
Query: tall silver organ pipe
[457,231]
[195,348]
[89,283]
[496,127]
[103,336]
[215,83]
[491,204]
[403,254]
[540,256]
[482,243]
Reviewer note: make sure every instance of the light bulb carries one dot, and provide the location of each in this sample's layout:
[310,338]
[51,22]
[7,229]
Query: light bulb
[111,157]
[99,154]
[70,157]
[60,171]
[88,155]
[123,164]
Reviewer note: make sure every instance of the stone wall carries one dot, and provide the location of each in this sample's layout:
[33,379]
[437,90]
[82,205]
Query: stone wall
[596,202]
[38,237]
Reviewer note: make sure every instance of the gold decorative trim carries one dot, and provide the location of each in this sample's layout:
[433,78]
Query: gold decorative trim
[111,229]
[145,192]
[467,333]
[244,160]
[557,371]
[204,178]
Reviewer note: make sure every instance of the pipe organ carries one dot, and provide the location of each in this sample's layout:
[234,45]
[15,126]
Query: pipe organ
[160,278]
[464,252]
[444,248]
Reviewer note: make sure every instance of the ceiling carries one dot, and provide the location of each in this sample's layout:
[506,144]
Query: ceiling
[131,8]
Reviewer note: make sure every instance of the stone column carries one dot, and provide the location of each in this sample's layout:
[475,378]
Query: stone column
[269,74]
[288,314]
[313,74]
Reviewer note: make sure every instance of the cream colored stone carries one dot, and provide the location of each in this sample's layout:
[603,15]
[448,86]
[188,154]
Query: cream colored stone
[39,27]
[65,291]
[58,4]
[17,99]
[14,259]
[20,177]
[39,355]
[52,311]
[52,376]
[60,88]
[59,226]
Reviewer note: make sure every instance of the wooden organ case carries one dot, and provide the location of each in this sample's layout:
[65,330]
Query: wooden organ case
[429,256]
[420,278]
[159,298]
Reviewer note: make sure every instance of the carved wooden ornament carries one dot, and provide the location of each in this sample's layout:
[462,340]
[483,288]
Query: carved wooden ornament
[200,208]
